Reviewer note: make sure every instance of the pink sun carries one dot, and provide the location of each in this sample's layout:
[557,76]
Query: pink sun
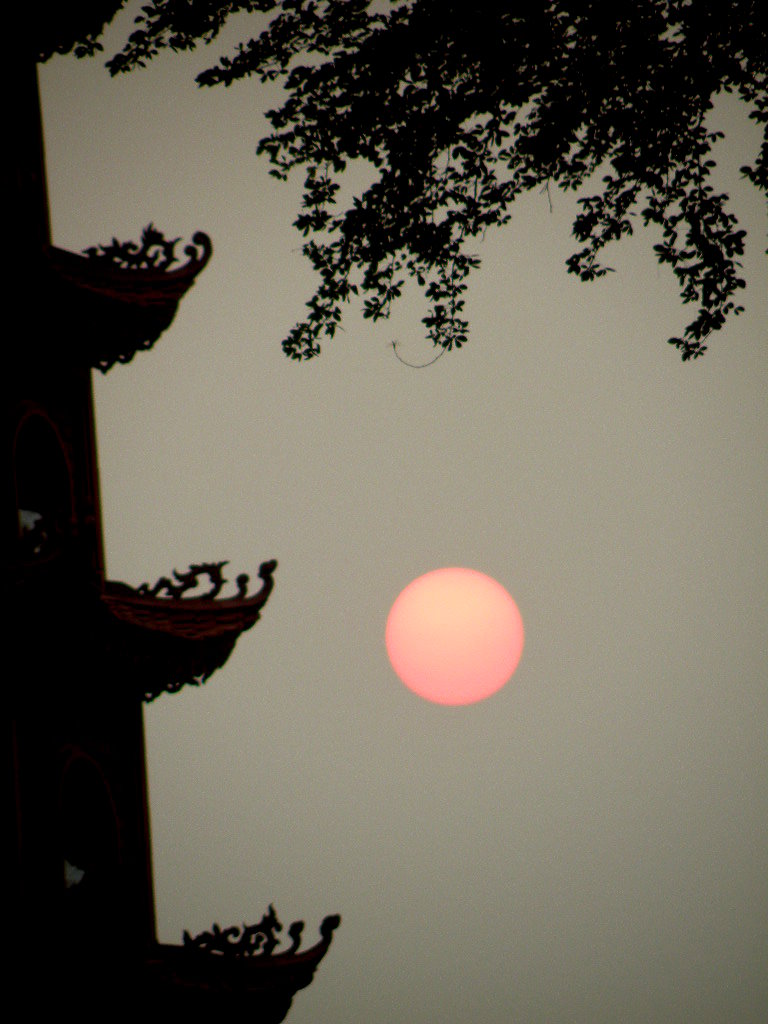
[454,636]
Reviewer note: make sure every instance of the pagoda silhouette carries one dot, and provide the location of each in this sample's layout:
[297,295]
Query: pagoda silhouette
[87,652]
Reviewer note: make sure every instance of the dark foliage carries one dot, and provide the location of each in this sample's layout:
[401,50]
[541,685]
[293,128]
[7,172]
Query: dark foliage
[58,27]
[459,108]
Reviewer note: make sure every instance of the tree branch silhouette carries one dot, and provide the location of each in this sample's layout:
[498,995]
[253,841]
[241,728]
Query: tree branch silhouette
[459,109]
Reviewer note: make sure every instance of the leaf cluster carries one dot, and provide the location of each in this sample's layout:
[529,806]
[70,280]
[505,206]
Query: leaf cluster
[460,108]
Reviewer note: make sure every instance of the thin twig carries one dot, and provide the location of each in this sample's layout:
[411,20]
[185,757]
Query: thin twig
[417,366]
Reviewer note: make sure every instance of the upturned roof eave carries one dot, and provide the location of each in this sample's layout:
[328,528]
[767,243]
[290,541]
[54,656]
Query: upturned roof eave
[112,311]
[162,644]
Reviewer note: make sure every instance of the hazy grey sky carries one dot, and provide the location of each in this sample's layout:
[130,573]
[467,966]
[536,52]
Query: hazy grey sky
[587,846]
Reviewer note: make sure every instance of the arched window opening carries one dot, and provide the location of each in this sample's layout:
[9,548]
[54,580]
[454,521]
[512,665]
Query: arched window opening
[89,843]
[43,490]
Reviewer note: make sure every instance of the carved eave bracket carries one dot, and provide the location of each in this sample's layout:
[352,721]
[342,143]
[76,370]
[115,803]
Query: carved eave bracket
[164,639]
[238,968]
[116,300]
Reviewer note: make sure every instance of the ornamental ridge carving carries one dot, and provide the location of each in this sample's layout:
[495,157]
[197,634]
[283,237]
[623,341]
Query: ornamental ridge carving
[190,580]
[255,939]
[154,252]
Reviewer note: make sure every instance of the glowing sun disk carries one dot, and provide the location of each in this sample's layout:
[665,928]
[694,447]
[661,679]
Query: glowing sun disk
[454,636]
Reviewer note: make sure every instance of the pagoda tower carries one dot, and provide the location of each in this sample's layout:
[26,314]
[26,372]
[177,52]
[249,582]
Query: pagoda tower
[87,652]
